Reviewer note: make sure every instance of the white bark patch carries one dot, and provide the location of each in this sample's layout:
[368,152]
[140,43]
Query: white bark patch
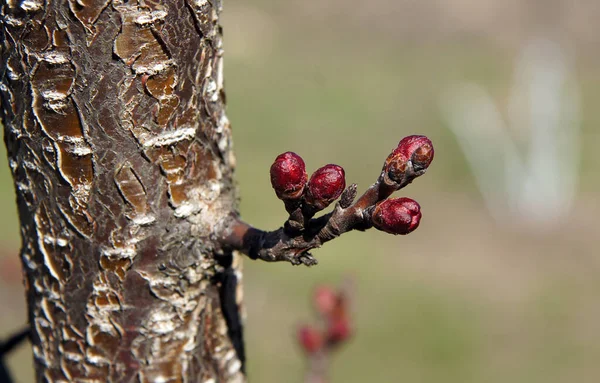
[75,357]
[120,252]
[233,363]
[165,288]
[168,138]
[14,22]
[234,366]
[23,187]
[54,95]
[187,209]
[211,90]
[96,359]
[47,311]
[31,5]
[81,191]
[53,57]
[220,78]
[55,101]
[38,353]
[30,165]
[200,199]
[224,141]
[142,220]
[161,322]
[69,139]
[81,150]
[175,322]
[150,17]
[154,68]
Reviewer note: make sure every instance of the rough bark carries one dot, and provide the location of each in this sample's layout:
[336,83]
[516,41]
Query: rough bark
[120,150]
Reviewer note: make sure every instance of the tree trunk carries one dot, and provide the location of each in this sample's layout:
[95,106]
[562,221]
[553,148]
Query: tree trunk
[121,155]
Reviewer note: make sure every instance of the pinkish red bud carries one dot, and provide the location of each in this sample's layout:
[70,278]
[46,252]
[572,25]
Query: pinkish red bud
[326,185]
[338,331]
[288,176]
[417,149]
[325,300]
[397,215]
[310,339]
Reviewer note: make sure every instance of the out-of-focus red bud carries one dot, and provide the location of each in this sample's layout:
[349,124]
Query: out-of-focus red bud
[325,300]
[397,215]
[288,176]
[310,339]
[326,185]
[338,331]
[417,149]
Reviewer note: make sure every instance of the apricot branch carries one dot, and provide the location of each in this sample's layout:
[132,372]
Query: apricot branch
[302,233]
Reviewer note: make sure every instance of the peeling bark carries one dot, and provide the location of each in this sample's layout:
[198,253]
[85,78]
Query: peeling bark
[120,150]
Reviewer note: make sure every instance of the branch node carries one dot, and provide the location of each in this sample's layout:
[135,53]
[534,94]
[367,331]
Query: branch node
[348,196]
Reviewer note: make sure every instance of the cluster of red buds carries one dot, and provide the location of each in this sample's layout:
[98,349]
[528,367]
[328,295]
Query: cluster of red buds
[289,180]
[333,310]
[304,197]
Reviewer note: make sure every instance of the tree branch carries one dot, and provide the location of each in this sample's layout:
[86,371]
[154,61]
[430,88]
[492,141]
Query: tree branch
[301,233]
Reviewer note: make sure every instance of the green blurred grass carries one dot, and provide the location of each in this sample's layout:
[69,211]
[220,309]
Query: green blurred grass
[460,300]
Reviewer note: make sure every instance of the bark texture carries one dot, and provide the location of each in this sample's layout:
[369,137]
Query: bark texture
[121,154]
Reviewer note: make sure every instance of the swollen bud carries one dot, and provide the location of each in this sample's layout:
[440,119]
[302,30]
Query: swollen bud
[338,331]
[416,149]
[288,176]
[325,300]
[310,339]
[326,185]
[397,215]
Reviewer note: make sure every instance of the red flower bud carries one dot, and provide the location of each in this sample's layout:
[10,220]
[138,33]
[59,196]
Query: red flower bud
[288,176]
[397,215]
[325,300]
[326,185]
[417,149]
[338,331]
[310,339]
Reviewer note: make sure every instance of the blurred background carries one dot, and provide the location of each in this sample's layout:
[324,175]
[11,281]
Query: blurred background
[500,282]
